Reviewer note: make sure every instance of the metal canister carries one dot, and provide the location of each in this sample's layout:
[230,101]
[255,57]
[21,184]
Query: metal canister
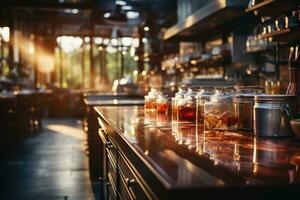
[244,107]
[272,115]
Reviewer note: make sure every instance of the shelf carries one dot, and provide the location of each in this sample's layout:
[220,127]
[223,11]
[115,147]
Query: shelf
[257,51]
[285,35]
[273,8]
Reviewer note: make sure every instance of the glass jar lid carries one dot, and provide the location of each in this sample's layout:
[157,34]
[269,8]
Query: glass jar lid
[205,93]
[154,92]
[181,92]
[274,98]
[221,96]
[162,98]
[191,94]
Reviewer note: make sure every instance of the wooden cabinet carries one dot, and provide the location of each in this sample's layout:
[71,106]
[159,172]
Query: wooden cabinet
[141,159]
[120,179]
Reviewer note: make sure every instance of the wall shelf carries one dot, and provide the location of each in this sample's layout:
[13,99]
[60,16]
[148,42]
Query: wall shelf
[273,8]
[284,35]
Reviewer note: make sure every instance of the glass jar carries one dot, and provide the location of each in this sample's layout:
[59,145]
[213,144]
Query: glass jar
[179,95]
[162,104]
[187,107]
[220,112]
[150,99]
[202,96]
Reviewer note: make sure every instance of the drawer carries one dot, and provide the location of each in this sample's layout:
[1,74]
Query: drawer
[111,188]
[111,149]
[123,191]
[111,169]
[132,184]
[102,135]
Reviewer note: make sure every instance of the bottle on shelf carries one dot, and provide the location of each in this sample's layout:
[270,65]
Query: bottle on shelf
[294,68]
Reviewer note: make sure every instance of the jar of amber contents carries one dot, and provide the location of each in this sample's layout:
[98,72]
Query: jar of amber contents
[150,100]
[203,96]
[179,95]
[220,112]
[187,107]
[162,104]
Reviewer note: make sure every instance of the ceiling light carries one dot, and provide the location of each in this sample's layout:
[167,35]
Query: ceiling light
[121,3]
[106,15]
[146,28]
[73,11]
[126,7]
[132,15]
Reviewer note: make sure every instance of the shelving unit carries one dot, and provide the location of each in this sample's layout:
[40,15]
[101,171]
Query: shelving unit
[285,35]
[272,8]
[257,51]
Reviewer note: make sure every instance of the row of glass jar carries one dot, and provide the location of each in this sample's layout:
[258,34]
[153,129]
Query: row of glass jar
[214,108]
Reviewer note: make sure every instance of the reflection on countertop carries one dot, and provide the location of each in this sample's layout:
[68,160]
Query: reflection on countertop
[185,155]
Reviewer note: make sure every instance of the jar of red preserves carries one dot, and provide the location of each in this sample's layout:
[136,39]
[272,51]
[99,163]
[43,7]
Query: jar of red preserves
[187,107]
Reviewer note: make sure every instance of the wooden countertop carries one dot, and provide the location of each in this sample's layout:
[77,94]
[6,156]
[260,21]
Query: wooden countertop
[113,102]
[184,156]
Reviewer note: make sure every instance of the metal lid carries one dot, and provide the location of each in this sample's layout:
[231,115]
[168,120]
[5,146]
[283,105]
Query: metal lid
[245,96]
[274,98]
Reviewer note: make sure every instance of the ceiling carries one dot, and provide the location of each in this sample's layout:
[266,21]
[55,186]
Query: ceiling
[74,17]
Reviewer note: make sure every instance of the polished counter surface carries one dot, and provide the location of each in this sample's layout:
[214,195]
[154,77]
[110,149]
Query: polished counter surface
[113,101]
[182,155]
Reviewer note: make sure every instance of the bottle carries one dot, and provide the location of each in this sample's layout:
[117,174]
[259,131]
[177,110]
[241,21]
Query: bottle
[294,68]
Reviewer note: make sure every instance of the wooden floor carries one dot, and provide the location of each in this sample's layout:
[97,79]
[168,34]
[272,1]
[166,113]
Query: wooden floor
[51,165]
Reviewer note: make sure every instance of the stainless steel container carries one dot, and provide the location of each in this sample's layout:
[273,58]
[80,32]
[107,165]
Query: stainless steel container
[244,106]
[272,115]
[244,102]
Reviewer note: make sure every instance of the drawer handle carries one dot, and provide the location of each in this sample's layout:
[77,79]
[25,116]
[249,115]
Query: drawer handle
[101,179]
[109,145]
[130,182]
